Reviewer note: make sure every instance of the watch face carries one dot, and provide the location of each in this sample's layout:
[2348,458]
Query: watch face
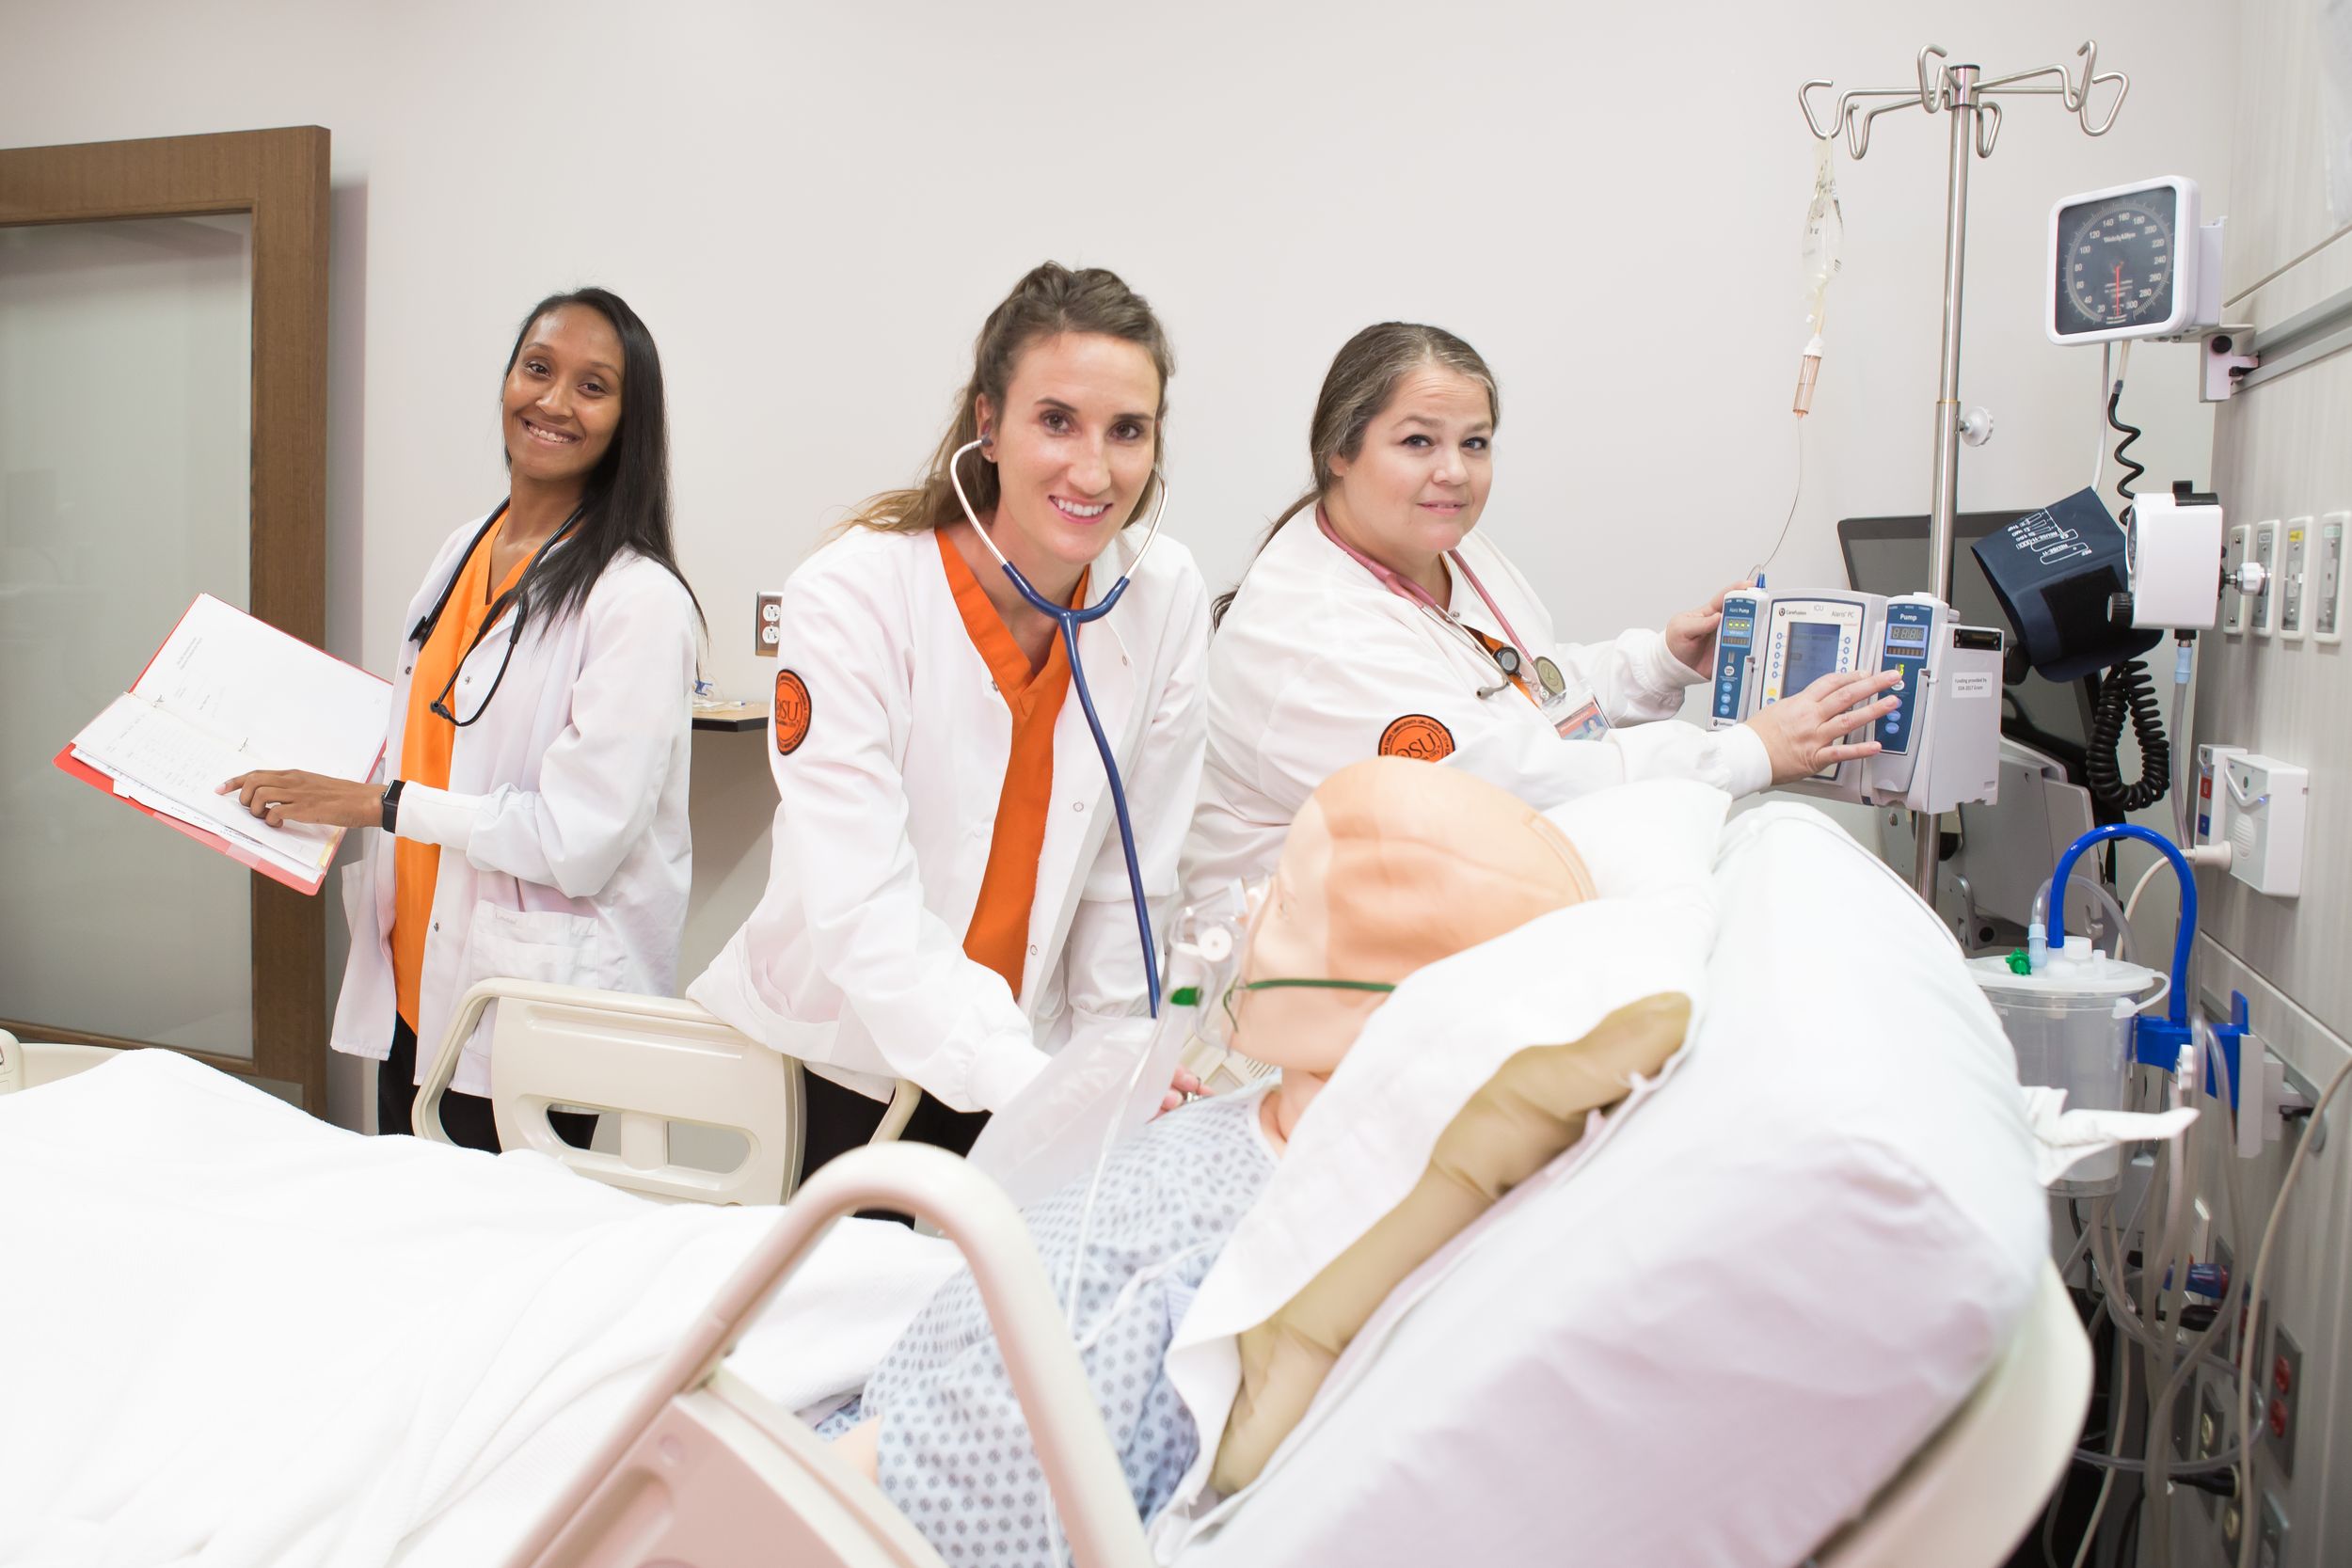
[2117,262]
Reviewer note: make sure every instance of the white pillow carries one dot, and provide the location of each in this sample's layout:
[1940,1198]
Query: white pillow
[1423,1053]
[1644,837]
[1771,1281]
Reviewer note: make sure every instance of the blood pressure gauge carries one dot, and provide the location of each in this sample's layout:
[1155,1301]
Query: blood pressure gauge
[2130,261]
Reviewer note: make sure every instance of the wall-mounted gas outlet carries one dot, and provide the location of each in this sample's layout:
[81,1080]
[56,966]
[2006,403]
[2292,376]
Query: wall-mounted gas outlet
[2293,562]
[768,624]
[2326,577]
[2265,553]
[2234,554]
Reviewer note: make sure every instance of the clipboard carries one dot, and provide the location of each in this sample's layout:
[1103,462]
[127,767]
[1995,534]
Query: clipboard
[311,671]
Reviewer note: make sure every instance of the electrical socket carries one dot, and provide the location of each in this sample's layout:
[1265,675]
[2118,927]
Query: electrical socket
[2211,1424]
[2282,1392]
[767,623]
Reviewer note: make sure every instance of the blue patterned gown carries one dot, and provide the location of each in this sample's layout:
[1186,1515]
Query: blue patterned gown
[954,1453]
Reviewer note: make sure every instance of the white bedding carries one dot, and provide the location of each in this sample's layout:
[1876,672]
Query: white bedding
[231,1333]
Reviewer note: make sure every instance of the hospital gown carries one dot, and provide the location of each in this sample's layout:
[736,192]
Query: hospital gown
[955,1452]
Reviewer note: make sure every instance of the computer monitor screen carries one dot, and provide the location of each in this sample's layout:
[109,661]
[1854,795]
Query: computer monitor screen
[1889,555]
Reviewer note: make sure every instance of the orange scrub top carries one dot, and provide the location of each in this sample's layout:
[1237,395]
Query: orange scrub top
[1000,933]
[425,744]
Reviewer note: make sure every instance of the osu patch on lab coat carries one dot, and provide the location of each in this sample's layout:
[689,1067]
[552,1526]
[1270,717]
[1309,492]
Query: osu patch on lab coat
[1418,736]
[792,712]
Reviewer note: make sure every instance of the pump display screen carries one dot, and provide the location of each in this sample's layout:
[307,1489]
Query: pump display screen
[1812,653]
[1907,639]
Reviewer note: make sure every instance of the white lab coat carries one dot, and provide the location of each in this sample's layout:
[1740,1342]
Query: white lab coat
[1316,658]
[566,855]
[854,961]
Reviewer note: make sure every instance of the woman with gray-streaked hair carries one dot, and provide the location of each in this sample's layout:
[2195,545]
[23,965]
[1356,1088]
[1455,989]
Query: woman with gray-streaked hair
[1375,622]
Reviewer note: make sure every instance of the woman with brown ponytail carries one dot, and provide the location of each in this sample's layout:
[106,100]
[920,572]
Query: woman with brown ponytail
[948,901]
[1374,622]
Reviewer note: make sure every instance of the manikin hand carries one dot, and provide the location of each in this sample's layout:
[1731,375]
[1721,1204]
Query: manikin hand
[1806,732]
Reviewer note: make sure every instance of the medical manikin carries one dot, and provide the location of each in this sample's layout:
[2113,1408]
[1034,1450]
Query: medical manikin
[1392,864]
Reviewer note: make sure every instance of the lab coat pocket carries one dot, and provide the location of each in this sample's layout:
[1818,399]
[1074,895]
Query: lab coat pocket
[550,946]
[357,883]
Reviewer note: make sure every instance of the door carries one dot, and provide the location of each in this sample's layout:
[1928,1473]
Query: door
[163,331]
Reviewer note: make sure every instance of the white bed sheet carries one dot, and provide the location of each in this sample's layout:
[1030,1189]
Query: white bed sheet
[231,1334]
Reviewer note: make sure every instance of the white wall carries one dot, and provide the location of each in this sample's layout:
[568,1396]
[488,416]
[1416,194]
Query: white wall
[813,206]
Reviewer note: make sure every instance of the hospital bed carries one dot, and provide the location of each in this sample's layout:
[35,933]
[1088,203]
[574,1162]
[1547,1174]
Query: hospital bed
[701,1467]
[703,1470]
[703,1464]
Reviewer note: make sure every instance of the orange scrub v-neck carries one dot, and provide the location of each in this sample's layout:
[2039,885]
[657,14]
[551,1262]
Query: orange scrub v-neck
[998,936]
[425,744]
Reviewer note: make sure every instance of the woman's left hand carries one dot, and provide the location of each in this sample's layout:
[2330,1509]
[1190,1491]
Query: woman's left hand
[1691,636]
[282,796]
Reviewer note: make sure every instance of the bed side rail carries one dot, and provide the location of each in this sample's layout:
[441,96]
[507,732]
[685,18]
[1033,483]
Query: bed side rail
[1089,1488]
[645,1062]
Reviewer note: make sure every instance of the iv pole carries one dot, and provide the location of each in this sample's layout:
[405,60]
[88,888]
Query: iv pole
[1976,125]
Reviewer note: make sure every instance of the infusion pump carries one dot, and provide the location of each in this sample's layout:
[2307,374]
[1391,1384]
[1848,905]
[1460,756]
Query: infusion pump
[1940,749]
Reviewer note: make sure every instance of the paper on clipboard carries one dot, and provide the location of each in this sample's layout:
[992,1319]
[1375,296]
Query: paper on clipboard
[228,694]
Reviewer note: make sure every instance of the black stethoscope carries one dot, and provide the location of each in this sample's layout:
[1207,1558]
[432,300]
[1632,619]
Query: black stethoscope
[424,629]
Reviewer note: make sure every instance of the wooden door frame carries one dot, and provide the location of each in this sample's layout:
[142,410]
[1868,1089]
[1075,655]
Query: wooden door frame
[279,178]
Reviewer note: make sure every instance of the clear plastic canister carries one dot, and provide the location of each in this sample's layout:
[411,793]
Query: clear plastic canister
[2070,1026]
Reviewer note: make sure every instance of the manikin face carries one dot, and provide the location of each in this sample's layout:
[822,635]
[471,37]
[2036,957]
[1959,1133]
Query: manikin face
[1305,1030]
[562,400]
[1074,445]
[1416,486]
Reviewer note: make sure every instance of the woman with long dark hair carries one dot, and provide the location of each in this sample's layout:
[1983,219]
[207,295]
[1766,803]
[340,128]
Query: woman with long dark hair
[533,806]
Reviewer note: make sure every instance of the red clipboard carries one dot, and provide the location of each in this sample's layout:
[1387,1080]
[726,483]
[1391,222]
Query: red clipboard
[99,780]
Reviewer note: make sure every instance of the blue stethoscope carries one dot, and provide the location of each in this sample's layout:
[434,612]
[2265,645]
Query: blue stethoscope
[1069,620]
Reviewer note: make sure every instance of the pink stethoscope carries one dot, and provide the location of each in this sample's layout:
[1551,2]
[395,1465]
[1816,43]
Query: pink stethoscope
[1509,659]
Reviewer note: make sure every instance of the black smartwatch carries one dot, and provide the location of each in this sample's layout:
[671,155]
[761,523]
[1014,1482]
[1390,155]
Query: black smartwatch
[391,806]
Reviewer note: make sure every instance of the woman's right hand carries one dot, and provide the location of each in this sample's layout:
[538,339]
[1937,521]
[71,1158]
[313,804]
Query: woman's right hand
[1806,732]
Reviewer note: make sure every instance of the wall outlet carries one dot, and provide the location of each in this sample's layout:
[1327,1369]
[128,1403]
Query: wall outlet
[767,623]
[2211,1424]
[2282,1393]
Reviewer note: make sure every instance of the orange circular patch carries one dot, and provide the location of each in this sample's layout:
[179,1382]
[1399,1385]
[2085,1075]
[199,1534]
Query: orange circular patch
[792,713]
[1418,736]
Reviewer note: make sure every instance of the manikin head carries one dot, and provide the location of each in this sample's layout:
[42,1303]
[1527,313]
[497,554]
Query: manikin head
[1390,866]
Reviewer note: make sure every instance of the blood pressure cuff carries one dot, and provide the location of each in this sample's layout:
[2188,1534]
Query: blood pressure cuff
[2054,572]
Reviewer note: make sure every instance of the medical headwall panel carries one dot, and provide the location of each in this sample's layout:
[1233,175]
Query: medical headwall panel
[2282,459]
[125,435]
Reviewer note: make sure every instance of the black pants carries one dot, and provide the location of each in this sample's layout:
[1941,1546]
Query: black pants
[840,1119]
[466,1117]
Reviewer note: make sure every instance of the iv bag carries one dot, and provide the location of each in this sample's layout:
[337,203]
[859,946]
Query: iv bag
[1824,235]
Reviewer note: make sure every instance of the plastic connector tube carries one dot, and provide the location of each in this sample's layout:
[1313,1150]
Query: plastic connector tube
[2184,933]
[2037,927]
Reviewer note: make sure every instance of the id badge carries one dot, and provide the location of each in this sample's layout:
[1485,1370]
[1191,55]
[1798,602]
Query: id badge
[1575,715]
